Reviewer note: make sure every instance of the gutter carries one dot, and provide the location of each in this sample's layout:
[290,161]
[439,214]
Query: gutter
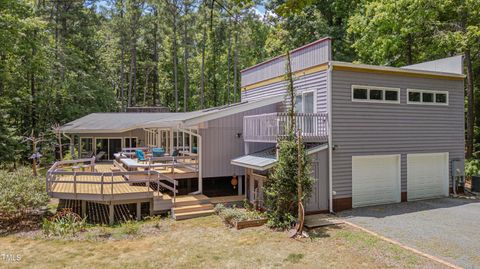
[330,144]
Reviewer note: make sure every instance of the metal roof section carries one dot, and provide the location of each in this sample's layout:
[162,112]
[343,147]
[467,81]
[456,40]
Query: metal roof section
[261,160]
[266,159]
[122,122]
[394,70]
[449,65]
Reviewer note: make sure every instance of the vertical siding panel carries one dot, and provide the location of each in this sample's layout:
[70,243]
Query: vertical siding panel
[220,143]
[374,129]
[302,58]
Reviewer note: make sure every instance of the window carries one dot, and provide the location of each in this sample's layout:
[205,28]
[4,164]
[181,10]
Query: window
[375,94]
[360,94]
[86,147]
[427,97]
[130,142]
[414,97]
[305,102]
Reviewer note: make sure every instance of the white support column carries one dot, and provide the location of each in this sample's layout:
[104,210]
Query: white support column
[171,141]
[200,164]
[183,141]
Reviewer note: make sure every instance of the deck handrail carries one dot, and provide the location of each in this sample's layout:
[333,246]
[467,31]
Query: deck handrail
[270,127]
[53,176]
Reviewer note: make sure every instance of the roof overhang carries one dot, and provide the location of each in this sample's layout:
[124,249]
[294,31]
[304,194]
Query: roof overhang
[93,123]
[266,159]
[366,68]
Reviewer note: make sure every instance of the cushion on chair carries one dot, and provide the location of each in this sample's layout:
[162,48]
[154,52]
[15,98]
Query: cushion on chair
[158,152]
[140,154]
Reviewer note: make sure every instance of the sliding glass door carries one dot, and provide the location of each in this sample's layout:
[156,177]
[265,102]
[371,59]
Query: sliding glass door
[108,146]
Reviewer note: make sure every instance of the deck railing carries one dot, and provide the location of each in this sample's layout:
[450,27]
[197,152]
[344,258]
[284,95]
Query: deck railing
[57,175]
[272,126]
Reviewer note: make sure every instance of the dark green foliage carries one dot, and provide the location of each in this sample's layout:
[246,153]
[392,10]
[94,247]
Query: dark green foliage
[21,192]
[281,197]
[63,223]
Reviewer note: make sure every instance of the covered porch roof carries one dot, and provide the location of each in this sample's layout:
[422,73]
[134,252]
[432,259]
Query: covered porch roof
[121,122]
[267,158]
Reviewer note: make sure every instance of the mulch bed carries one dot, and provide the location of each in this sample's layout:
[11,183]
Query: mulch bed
[20,223]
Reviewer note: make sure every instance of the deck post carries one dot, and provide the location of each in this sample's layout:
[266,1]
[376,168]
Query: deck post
[111,214]
[84,208]
[139,211]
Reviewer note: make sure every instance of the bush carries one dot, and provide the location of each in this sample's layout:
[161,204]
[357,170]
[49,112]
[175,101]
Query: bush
[65,222]
[21,192]
[130,228]
[232,214]
[472,167]
[280,190]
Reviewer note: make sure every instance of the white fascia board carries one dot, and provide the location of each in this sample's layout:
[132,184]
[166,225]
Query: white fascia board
[233,110]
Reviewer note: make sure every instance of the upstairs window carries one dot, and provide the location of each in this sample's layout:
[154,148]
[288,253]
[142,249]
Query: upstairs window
[427,97]
[375,94]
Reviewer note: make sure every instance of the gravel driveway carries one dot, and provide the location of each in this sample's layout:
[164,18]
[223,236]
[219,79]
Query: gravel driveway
[447,228]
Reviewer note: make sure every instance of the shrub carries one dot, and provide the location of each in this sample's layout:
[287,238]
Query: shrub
[472,167]
[280,191]
[65,222]
[232,214]
[130,228]
[21,192]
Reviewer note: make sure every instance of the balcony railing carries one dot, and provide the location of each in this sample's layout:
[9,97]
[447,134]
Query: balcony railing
[269,127]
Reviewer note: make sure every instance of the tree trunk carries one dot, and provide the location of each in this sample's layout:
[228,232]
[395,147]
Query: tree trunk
[34,160]
[204,45]
[175,56]
[33,90]
[235,62]
[409,49]
[470,105]
[122,60]
[185,58]
[133,53]
[228,63]
[155,59]
[299,183]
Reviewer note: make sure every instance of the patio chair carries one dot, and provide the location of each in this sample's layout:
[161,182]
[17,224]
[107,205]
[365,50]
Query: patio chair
[140,155]
[99,156]
[158,152]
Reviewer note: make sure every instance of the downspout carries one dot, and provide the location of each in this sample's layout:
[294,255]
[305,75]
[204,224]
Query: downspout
[330,144]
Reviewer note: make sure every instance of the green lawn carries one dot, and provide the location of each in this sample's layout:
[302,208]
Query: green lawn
[206,243]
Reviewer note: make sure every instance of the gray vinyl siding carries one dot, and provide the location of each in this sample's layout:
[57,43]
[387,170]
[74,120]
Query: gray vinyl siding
[220,143]
[300,59]
[318,200]
[315,81]
[380,129]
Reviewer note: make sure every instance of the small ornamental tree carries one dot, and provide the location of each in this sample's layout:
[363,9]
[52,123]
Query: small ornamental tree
[289,183]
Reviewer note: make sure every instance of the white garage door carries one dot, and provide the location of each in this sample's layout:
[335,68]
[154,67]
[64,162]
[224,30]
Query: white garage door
[427,175]
[375,180]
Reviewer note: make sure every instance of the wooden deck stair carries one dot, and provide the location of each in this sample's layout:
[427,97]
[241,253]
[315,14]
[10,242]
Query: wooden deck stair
[192,206]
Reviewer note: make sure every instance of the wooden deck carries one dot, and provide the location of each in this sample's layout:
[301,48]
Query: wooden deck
[87,188]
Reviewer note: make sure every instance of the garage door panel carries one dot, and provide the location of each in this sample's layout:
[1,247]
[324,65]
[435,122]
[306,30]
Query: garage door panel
[375,180]
[427,175]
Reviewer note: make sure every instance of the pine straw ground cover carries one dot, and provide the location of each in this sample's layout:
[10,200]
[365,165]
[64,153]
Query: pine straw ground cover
[206,243]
